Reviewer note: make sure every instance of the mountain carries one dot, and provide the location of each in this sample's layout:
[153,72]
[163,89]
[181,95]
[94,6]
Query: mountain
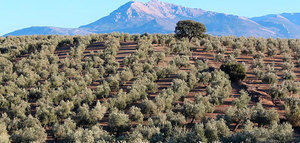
[285,25]
[160,17]
[43,30]
[293,17]
[133,16]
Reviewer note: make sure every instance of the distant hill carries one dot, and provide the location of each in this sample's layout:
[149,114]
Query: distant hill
[43,30]
[160,17]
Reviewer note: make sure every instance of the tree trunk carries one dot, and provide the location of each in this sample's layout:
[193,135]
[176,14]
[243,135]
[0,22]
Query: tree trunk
[193,120]
[236,126]
[274,101]
[190,39]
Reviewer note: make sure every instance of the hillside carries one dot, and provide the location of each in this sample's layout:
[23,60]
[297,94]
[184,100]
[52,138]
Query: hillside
[286,25]
[150,88]
[160,17]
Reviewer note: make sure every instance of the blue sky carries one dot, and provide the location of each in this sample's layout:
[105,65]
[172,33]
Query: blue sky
[18,14]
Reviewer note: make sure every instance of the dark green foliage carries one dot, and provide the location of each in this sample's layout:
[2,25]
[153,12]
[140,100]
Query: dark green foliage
[189,29]
[236,71]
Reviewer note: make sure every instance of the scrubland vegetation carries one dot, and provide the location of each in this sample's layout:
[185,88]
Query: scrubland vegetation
[149,88]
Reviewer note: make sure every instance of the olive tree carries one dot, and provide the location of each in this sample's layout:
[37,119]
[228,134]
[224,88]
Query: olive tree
[45,112]
[148,107]
[180,88]
[90,117]
[292,108]
[216,130]
[243,100]
[208,47]
[288,75]
[205,101]
[262,116]
[91,135]
[270,78]
[238,116]
[102,90]
[291,86]
[277,92]
[4,136]
[193,110]
[126,75]
[219,88]
[31,131]
[180,61]
[118,121]
[65,131]
[197,134]
[136,114]
[275,133]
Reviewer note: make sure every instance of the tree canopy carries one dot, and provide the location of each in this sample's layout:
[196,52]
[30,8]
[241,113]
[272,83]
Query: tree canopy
[189,29]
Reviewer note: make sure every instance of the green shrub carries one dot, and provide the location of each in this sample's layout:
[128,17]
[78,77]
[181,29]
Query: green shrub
[236,71]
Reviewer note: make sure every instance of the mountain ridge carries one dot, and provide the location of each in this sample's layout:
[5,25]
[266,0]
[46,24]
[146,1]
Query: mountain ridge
[161,17]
